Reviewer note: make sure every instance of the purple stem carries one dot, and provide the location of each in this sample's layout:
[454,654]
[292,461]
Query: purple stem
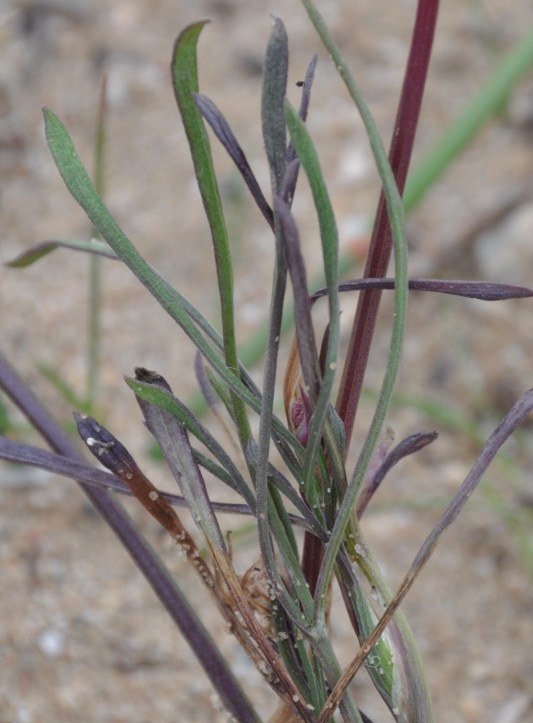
[155,573]
[381,241]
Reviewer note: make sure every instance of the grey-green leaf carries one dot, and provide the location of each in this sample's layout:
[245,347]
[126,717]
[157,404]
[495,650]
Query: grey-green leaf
[273,97]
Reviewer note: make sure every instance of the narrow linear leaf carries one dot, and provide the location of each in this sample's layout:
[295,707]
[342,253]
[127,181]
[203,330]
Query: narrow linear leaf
[203,381]
[157,576]
[164,399]
[302,305]
[174,442]
[273,97]
[308,157]
[265,519]
[406,447]
[225,135]
[185,83]
[516,416]
[483,290]
[26,454]
[292,157]
[42,249]
[268,522]
[306,89]
[304,103]
[274,138]
[80,186]
[113,455]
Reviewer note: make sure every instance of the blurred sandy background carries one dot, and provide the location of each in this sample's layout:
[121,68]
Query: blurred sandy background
[81,637]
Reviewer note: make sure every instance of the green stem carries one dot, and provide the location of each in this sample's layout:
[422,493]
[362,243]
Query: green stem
[94,333]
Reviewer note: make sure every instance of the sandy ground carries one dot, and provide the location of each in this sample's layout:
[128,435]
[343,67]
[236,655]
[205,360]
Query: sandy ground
[81,636]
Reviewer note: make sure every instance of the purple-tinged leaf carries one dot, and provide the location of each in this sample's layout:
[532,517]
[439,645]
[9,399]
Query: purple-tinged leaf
[305,334]
[173,439]
[114,456]
[225,135]
[293,165]
[21,453]
[163,398]
[288,184]
[516,416]
[483,290]
[26,454]
[407,446]
[203,381]
[304,103]
[158,577]
[376,461]
[39,250]
[306,89]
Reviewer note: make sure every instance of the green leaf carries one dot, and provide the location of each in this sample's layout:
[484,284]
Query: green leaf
[273,97]
[173,439]
[166,401]
[185,83]
[37,252]
[82,189]
[308,157]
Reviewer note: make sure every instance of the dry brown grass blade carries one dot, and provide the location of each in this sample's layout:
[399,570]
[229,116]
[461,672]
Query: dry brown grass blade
[113,455]
[224,584]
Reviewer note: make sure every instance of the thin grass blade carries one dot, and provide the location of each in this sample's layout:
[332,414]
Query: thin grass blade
[489,100]
[37,252]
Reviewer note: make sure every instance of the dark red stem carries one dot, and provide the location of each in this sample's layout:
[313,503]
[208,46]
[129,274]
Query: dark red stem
[381,241]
